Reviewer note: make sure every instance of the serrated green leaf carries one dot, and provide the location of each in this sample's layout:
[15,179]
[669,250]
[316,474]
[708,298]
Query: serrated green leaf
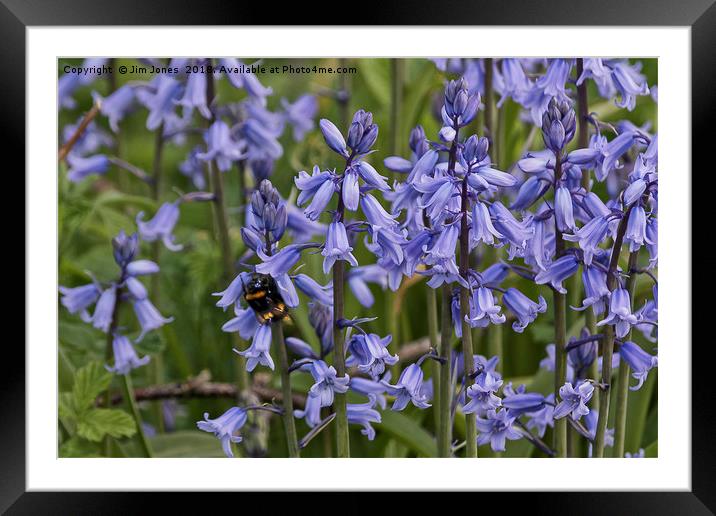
[97,423]
[90,381]
[409,433]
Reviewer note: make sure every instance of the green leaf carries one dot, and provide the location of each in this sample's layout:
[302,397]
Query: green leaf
[77,447]
[90,381]
[97,423]
[376,74]
[409,433]
[652,451]
[189,443]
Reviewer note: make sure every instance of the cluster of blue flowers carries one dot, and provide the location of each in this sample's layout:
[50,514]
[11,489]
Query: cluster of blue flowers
[106,299]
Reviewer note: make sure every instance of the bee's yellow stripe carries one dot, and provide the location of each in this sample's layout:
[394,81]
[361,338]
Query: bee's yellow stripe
[256,295]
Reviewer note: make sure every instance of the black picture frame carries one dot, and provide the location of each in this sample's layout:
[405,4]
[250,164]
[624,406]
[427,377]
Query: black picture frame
[700,15]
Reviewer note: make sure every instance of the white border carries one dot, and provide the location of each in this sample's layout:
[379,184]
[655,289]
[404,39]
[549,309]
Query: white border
[670,471]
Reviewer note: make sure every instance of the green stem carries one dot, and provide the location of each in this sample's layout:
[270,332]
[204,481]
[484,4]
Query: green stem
[467,353]
[560,377]
[590,324]
[156,369]
[608,349]
[339,362]
[445,391]
[582,119]
[339,355]
[432,310]
[560,333]
[129,397]
[398,72]
[489,110]
[289,424]
[623,374]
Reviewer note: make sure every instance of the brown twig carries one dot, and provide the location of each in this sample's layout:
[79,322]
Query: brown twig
[67,147]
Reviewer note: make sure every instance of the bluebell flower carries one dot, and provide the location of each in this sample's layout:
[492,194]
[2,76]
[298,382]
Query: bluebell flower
[350,189]
[523,307]
[371,176]
[311,412]
[460,105]
[80,167]
[518,403]
[515,232]
[358,279]
[148,316]
[195,95]
[481,227]
[334,138]
[563,209]
[161,226]
[258,352]
[635,233]
[495,274]
[515,83]
[542,418]
[574,401]
[232,293]
[162,101]
[630,84]
[371,388]
[541,246]
[558,125]
[320,186]
[634,191]
[590,236]
[408,389]
[125,357]
[314,290]
[496,428]
[193,168]
[225,427]
[300,348]
[245,322]
[530,191]
[221,147]
[369,353]
[261,141]
[364,414]
[483,309]
[639,361]
[482,394]
[336,247]
[320,317]
[595,289]
[423,166]
[558,271]
[548,86]
[590,423]
[646,314]
[241,77]
[281,262]
[115,106]
[78,299]
[104,309]
[377,216]
[638,455]
[300,114]
[362,132]
[620,314]
[327,382]
[124,248]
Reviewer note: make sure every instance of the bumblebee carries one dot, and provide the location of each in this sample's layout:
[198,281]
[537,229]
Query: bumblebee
[263,296]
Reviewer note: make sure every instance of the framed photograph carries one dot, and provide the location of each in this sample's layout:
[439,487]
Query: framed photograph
[257,253]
